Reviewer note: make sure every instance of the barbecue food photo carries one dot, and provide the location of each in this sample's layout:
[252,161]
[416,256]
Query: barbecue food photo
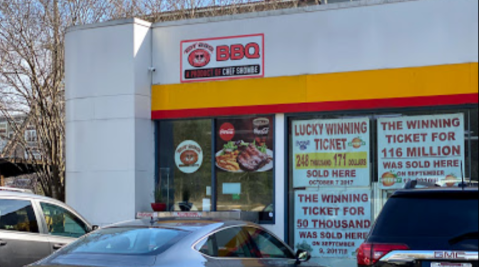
[244,157]
[228,161]
[251,159]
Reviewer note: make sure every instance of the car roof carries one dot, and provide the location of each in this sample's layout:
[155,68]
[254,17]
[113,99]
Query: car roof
[190,225]
[11,194]
[468,191]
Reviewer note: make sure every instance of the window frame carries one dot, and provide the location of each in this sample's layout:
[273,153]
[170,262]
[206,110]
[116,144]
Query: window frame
[157,136]
[205,238]
[263,231]
[245,232]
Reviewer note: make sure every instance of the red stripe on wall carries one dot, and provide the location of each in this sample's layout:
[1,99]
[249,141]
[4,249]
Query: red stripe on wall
[319,107]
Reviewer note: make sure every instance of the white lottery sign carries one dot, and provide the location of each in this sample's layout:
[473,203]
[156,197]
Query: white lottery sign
[424,148]
[332,223]
[331,153]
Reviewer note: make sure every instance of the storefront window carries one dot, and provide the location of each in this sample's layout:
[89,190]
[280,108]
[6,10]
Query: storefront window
[185,164]
[344,167]
[244,165]
[222,164]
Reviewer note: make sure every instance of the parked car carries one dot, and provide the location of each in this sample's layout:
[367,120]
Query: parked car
[32,227]
[179,243]
[427,227]
[12,189]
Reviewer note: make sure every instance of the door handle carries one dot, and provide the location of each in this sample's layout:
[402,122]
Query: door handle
[3,243]
[58,246]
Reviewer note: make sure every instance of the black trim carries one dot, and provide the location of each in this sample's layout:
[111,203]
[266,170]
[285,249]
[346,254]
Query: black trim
[214,181]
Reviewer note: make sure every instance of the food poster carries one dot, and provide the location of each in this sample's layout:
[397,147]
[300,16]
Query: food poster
[245,145]
[331,153]
[332,223]
[424,148]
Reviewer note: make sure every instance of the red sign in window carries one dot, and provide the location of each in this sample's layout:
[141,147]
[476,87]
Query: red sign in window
[227,131]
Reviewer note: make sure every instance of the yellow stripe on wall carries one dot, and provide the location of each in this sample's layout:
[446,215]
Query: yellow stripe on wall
[362,85]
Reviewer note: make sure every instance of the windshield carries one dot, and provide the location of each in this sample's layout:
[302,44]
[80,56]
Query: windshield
[441,218]
[126,241]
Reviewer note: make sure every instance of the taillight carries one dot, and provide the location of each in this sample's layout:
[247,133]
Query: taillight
[369,254]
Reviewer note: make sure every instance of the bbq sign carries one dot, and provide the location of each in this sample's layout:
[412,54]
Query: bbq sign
[224,58]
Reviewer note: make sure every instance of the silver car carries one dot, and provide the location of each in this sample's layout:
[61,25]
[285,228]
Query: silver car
[179,243]
[33,227]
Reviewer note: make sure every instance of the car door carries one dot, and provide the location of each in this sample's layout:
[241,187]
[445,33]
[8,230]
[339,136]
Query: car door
[21,242]
[272,251]
[62,225]
[231,248]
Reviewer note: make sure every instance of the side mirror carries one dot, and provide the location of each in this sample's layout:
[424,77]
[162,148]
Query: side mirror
[303,256]
[95,227]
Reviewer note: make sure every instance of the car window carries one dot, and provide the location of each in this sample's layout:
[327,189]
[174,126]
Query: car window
[229,243]
[441,218]
[17,215]
[269,246]
[208,246]
[61,222]
[127,241]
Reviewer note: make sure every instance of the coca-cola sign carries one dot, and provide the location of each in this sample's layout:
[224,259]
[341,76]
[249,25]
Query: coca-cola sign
[227,131]
[264,131]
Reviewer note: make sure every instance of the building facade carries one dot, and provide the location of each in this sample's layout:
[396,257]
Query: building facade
[12,133]
[310,118]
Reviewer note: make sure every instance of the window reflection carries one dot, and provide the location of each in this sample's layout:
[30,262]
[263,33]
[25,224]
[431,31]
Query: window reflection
[185,164]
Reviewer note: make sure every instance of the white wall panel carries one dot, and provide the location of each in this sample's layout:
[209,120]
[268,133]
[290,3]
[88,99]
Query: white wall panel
[108,145]
[102,197]
[99,61]
[144,196]
[330,39]
[110,137]
[145,145]
[80,109]
[114,107]
[142,61]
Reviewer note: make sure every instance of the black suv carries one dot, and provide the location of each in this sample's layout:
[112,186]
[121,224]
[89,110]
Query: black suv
[435,227]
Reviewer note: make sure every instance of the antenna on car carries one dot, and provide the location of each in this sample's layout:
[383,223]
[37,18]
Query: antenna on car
[462,175]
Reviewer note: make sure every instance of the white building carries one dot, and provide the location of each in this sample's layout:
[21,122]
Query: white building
[162,102]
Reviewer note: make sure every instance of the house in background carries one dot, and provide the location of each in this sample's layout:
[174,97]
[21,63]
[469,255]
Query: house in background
[10,139]
[17,160]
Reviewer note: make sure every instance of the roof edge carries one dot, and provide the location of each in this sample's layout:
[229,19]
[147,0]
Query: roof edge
[280,12]
[112,23]
[260,14]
